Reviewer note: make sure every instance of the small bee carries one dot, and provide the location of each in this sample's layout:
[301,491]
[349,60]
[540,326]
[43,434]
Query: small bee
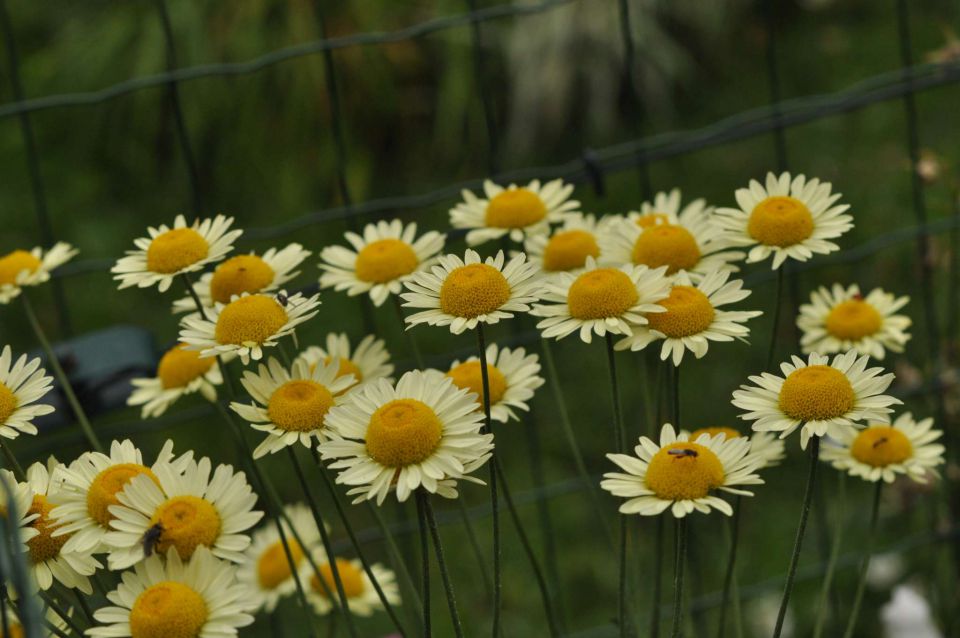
[282,299]
[682,452]
[151,538]
[879,441]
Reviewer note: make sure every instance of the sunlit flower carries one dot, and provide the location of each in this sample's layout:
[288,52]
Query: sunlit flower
[30,268]
[567,248]
[792,218]
[825,397]
[840,319]
[424,432]
[169,252]
[22,384]
[682,475]
[180,372]
[367,362]
[512,375]
[517,211]
[361,595]
[766,446]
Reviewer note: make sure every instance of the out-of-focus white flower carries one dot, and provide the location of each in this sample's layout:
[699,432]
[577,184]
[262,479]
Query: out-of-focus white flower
[907,615]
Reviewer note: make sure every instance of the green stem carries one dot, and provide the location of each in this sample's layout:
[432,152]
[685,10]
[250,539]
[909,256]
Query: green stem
[424,496]
[680,555]
[425,576]
[399,564]
[622,616]
[475,546]
[657,580]
[494,501]
[865,563]
[731,565]
[15,466]
[823,604]
[777,302]
[676,397]
[411,341]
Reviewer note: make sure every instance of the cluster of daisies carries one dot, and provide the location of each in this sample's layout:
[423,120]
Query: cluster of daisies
[182,530]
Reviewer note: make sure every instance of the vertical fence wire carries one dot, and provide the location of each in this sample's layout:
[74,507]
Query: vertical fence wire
[480,74]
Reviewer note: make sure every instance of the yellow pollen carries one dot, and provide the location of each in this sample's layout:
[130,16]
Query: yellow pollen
[251,319]
[568,250]
[44,546]
[780,221]
[273,568]
[816,393]
[103,490]
[473,290]
[350,577]
[14,263]
[187,522]
[176,249]
[689,312]
[168,610]
[299,406]
[385,260]
[243,273]
[515,208]
[687,476]
[178,367]
[652,219]
[853,319]
[468,376]
[666,245]
[880,446]
[728,433]
[8,402]
[403,432]
[601,293]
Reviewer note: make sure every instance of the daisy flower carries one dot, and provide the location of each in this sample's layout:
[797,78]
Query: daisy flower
[789,218]
[180,372]
[367,362]
[361,595]
[267,573]
[840,319]
[188,508]
[513,375]
[22,383]
[89,488]
[169,252]
[517,211]
[176,598]
[682,475]
[387,256]
[291,406]
[247,325]
[22,498]
[569,246]
[245,273]
[601,300]
[823,396]
[766,446]
[662,234]
[462,293]
[30,268]
[423,432]
[881,452]
[693,317]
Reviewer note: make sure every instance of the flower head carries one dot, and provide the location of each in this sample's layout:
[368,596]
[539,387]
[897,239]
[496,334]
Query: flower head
[513,375]
[567,248]
[367,362]
[357,585]
[22,384]
[764,445]
[30,268]
[179,372]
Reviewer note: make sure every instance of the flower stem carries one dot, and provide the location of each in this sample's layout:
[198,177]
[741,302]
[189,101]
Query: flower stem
[622,616]
[676,397]
[60,374]
[399,564]
[494,501]
[865,563]
[425,578]
[777,301]
[731,565]
[839,526]
[657,580]
[801,528]
[12,461]
[411,341]
[424,496]
[680,555]
[619,442]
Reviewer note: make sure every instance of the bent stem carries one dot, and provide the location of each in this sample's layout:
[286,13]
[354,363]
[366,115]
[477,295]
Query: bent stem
[622,622]
[823,602]
[731,566]
[441,563]
[865,563]
[494,501]
[680,554]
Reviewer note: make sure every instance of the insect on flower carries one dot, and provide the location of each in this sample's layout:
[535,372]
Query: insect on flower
[682,452]
[151,538]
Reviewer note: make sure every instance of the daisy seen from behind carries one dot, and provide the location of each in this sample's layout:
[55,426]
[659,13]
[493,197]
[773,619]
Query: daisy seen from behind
[567,248]
[22,383]
[21,268]
[361,595]
[513,376]
[180,372]
[367,362]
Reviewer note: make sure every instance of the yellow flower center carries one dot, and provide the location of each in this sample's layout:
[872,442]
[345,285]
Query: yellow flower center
[515,208]
[728,433]
[44,546]
[652,219]
[403,432]
[187,522]
[251,319]
[273,568]
[385,260]
[473,290]
[346,367]
[569,249]
[689,312]
[168,610]
[468,376]
[684,471]
[816,393]
[780,221]
[666,245]
[601,293]
[8,402]
[178,367]
[299,406]
[880,446]
[103,490]
[176,249]
[350,577]
[243,273]
[12,264]
[853,319]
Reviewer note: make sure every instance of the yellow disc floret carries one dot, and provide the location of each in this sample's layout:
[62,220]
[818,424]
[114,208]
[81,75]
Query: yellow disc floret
[168,610]
[187,522]
[350,577]
[652,219]
[568,250]
[240,274]
[473,290]
[8,403]
[515,208]
[601,293]
[176,249]
[16,262]
[689,312]
[728,433]
[299,406]
[273,568]
[684,471]
[250,319]
[105,486]
[816,393]
[178,367]
[853,319]
[468,376]
[44,546]
[666,245]
[385,260]
[780,221]
[880,446]
[403,432]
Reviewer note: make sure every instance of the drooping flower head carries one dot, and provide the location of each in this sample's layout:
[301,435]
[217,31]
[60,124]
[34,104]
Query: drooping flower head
[22,384]
[367,362]
[513,376]
[361,595]
[21,268]
[179,372]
